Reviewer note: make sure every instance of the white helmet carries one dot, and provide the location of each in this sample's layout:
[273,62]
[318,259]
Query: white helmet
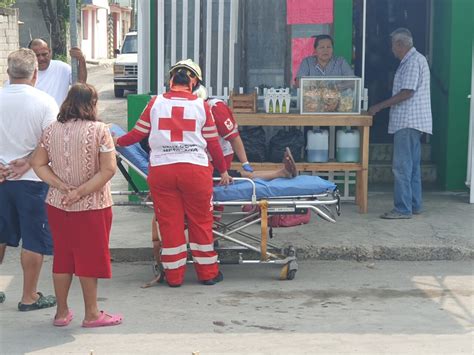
[201,92]
[190,66]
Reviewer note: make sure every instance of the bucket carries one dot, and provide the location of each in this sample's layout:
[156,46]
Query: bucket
[318,146]
[348,146]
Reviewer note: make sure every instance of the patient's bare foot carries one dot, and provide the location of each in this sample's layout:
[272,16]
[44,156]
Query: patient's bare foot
[289,163]
[284,173]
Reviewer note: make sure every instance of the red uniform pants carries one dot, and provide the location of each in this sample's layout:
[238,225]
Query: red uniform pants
[180,190]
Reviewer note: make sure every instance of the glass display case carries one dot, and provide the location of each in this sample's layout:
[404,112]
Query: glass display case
[330,95]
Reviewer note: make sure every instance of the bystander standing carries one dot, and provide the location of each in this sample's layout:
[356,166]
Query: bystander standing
[410,117]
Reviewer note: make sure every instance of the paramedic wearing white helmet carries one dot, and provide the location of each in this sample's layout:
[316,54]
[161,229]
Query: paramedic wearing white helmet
[180,128]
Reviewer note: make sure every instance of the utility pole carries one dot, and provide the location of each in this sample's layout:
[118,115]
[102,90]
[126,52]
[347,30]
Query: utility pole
[73,35]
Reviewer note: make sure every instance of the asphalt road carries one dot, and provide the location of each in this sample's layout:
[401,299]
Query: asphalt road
[329,308]
[111,109]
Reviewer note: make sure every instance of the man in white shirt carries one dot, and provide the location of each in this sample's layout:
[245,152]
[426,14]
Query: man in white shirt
[54,76]
[25,112]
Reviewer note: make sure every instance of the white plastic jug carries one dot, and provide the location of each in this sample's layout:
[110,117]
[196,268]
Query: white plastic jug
[348,146]
[318,146]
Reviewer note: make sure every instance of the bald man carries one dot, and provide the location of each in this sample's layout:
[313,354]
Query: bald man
[54,76]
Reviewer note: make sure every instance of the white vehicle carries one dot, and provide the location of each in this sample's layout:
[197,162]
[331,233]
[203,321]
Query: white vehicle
[126,65]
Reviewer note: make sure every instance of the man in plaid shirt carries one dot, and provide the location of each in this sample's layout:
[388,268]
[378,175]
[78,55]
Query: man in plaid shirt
[410,116]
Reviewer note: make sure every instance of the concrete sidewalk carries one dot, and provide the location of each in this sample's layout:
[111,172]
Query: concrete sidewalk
[444,231]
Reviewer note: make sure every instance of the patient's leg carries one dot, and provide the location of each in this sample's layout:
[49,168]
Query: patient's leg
[267,175]
[288,170]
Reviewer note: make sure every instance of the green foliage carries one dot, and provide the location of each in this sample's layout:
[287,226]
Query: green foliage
[6,3]
[61,57]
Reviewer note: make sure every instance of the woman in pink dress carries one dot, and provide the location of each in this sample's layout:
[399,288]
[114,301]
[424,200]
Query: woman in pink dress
[76,158]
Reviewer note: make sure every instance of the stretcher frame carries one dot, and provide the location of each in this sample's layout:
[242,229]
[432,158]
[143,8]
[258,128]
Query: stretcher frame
[320,204]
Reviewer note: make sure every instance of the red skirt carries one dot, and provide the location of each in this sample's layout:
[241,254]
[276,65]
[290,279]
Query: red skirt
[81,242]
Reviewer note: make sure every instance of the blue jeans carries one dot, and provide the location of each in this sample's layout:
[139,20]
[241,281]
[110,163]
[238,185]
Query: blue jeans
[407,171]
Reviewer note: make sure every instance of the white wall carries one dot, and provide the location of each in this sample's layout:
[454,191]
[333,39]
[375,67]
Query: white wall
[95,46]
[8,39]
[86,44]
[101,34]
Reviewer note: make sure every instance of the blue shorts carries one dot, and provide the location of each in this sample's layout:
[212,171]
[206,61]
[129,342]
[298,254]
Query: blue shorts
[23,216]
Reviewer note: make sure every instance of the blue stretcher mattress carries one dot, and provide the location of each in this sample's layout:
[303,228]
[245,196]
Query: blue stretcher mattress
[302,185]
[134,153]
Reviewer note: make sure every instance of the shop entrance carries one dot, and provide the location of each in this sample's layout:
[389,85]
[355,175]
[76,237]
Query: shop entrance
[384,16]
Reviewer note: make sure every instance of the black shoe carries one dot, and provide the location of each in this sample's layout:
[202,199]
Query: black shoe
[213,281]
[173,285]
[41,302]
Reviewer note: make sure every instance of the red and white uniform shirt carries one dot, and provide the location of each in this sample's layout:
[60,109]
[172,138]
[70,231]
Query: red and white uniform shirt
[225,123]
[179,126]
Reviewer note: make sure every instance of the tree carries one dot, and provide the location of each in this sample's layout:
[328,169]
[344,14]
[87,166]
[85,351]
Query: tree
[56,16]
[6,3]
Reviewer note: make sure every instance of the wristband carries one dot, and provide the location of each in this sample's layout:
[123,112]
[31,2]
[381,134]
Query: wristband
[246,166]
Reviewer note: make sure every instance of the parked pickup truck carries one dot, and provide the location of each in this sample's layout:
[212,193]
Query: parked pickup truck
[126,65]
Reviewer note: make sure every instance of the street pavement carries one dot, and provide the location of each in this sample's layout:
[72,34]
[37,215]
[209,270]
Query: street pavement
[331,307]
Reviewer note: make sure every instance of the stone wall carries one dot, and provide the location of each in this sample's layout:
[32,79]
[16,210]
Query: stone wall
[9,38]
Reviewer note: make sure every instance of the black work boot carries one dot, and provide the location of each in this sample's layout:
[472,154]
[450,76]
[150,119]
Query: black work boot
[219,277]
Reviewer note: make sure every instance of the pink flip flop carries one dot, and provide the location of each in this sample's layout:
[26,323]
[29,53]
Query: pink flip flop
[62,322]
[104,320]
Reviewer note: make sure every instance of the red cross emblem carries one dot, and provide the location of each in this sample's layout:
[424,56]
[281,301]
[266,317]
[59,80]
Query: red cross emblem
[177,124]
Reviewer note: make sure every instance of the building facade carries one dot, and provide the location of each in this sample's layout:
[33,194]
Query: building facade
[249,44]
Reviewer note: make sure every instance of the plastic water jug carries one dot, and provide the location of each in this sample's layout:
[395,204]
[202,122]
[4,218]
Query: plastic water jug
[318,146]
[348,146]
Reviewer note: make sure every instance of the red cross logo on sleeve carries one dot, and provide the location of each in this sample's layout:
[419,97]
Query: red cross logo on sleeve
[177,124]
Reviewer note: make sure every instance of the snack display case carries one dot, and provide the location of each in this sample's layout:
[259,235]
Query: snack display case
[330,95]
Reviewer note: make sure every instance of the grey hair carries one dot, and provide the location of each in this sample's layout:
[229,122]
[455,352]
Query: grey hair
[403,36]
[22,64]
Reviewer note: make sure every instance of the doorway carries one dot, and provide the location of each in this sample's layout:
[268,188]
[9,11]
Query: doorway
[384,16]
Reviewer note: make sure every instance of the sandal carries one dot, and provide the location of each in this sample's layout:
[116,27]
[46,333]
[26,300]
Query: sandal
[41,302]
[289,162]
[62,322]
[104,320]
[159,276]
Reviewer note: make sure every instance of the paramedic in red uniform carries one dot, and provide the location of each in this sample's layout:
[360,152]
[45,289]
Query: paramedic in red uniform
[180,128]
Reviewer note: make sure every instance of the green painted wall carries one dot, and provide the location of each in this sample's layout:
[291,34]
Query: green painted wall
[135,106]
[451,74]
[343,29]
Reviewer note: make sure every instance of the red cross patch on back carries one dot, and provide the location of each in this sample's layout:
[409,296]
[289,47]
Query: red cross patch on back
[177,124]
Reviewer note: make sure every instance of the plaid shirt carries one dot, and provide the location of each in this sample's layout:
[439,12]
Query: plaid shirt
[413,73]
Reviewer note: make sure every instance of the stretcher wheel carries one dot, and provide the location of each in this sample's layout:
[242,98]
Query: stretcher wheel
[292,269]
[291,274]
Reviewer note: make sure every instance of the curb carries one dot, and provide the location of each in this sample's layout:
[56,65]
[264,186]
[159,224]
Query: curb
[420,253]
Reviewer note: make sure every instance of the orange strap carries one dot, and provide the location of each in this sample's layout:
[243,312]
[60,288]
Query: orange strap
[264,226]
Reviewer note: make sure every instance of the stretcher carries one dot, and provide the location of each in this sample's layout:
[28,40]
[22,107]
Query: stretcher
[248,203]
